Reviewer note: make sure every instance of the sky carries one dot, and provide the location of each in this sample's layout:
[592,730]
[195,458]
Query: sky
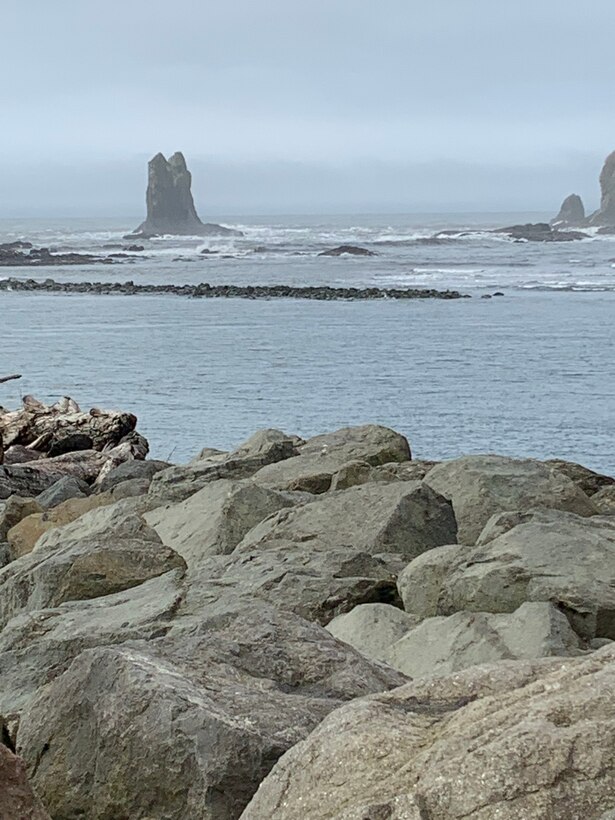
[324,106]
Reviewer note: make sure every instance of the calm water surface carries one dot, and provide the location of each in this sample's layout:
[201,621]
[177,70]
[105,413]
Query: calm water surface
[532,373]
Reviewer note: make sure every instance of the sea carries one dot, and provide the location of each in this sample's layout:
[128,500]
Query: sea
[529,373]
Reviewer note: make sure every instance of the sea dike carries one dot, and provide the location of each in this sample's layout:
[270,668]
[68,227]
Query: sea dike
[299,629]
[204,290]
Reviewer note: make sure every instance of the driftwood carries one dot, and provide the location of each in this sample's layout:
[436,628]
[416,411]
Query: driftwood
[9,378]
[41,426]
[41,443]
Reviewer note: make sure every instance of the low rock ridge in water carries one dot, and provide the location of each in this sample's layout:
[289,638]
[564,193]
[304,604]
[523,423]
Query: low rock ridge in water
[205,290]
[299,628]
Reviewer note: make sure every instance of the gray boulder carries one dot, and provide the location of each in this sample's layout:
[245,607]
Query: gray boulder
[481,486]
[25,481]
[444,645]
[215,519]
[186,726]
[585,479]
[63,490]
[265,447]
[523,739]
[604,500]
[38,646]
[130,470]
[406,518]
[554,556]
[372,628]
[321,457]
[76,563]
[170,207]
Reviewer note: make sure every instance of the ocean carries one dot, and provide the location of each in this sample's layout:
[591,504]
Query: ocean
[531,373]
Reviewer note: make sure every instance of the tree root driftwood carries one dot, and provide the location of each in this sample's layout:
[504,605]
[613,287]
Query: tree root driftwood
[40,443]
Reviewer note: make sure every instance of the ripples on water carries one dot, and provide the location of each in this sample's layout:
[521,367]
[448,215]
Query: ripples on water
[530,374]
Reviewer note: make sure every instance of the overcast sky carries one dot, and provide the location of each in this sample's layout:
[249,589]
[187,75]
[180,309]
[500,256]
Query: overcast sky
[305,105]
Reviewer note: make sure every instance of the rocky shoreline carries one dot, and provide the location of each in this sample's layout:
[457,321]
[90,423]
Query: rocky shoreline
[300,629]
[204,290]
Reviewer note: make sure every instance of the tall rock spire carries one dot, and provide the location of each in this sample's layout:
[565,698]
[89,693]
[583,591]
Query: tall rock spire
[605,215]
[572,212]
[170,207]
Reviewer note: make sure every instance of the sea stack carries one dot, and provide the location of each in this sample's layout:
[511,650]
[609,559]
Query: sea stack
[572,212]
[605,215]
[170,207]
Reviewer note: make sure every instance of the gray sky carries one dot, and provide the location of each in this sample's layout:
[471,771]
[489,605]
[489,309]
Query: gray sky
[288,105]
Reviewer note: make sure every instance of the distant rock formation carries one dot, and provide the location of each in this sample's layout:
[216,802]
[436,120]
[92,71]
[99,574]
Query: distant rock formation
[347,250]
[540,232]
[170,207]
[572,212]
[605,215]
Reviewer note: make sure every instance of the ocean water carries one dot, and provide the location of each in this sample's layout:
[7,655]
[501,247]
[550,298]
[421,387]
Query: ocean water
[529,374]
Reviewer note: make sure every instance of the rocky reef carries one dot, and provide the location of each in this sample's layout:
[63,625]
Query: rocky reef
[303,629]
[571,213]
[25,255]
[170,206]
[540,232]
[206,291]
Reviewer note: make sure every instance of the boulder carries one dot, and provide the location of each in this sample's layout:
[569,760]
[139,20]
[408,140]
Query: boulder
[131,488]
[24,535]
[170,207]
[572,213]
[18,801]
[14,510]
[604,500]
[372,628]
[585,479]
[444,645]
[186,726]
[321,457]
[480,486]
[76,563]
[265,447]
[215,519]
[38,646]
[554,556]
[25,480]
[63,490]
[130,470]
[404,518]
[313,582]
[524,739]
[605,215]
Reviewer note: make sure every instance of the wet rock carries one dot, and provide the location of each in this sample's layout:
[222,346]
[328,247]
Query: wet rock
[571,213]
[348,250]
[483,485]
[540,232]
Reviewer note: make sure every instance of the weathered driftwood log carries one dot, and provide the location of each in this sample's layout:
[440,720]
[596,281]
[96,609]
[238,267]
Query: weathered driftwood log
[32,478]
[45,428]
[9,378]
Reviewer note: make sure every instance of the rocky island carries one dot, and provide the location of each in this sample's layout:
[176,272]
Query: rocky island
[299,628]
[170,206]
